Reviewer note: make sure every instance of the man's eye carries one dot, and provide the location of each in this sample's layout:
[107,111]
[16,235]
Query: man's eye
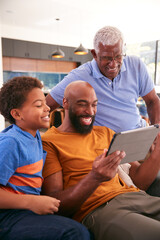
[82,105]
[106,58]
[118,57]
[39,106]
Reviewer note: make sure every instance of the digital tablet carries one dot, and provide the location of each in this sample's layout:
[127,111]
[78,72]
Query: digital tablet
[136,143]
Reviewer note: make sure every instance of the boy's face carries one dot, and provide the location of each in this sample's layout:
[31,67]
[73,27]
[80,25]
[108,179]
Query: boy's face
[34,113]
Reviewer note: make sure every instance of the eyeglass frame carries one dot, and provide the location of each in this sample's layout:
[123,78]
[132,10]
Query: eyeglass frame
[108,59]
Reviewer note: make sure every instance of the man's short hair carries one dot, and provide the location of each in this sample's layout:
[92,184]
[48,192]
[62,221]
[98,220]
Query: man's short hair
[107,35]
[14,93]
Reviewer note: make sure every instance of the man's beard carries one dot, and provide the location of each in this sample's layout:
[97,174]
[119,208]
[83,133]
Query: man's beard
[75,120]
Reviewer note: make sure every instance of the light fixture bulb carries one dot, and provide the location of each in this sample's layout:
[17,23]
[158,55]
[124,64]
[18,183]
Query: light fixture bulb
[58,53]
[81,50]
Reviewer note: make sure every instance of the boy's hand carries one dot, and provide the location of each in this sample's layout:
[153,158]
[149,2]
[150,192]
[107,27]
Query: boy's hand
[43,204]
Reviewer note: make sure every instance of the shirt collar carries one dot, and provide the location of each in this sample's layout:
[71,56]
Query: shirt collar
[98,74]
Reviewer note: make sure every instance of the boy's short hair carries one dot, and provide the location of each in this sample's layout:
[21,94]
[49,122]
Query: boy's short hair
[14,93]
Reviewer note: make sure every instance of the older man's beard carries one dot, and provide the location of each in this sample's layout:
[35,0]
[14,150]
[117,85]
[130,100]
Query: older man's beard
[75,120]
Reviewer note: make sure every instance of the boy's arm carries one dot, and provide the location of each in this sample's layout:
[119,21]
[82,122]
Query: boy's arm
[38,204]
[103,169]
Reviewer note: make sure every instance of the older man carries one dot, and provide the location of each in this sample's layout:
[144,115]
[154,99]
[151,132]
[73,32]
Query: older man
[90,190]
[118,82]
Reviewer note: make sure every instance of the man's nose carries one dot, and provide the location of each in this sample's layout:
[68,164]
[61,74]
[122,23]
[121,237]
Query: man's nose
[90,110]
[113,62]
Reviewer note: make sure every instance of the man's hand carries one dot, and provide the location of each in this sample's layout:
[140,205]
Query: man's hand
[43,204]
[145,173]
[105,168]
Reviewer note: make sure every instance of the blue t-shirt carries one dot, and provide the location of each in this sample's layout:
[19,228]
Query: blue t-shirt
[116,99]
[21,161]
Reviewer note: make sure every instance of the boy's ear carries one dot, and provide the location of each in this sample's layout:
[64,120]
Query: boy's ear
[16,114]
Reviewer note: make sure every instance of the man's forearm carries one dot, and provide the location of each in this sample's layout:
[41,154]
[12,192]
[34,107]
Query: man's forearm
[153,110]
[73,197]
[51,102]
[104,168]
[145,174]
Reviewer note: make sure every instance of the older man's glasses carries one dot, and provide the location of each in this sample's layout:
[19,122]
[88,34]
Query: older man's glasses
[108,59]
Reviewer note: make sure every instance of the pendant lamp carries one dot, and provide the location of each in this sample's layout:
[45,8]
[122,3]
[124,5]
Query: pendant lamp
[81,50]
[58,53]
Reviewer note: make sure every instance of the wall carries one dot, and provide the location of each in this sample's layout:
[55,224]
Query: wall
[36,65]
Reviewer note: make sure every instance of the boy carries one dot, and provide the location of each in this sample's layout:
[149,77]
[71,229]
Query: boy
[24,214]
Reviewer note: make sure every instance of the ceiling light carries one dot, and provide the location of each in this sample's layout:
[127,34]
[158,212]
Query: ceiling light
[81,50]
[58,53]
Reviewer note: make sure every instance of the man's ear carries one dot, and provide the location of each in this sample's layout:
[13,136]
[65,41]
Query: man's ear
[15,113]
[94,53]
[65,103]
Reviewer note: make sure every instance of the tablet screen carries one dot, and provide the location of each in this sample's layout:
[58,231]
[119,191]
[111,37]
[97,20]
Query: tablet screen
[136,143]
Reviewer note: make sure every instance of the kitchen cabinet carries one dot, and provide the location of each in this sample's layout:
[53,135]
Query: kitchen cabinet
[34,50]
[7,47]
[26,49]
